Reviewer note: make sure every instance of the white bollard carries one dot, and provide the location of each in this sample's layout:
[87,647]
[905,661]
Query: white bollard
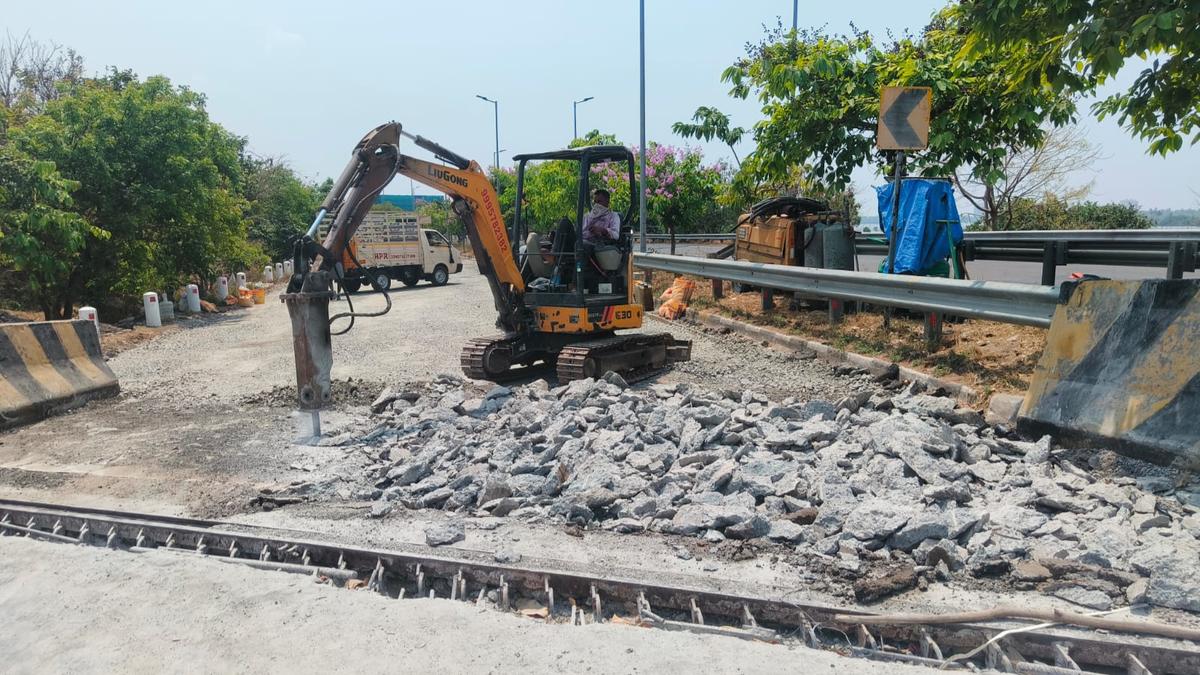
[222,288]
[241,280]
[268,274]
[166,310]
[150,303]
[89,314]
[278,271]
[287,267]
[193,298]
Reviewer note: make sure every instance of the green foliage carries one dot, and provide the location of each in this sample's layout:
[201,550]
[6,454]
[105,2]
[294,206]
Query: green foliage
[708,123]
[819,95]
[1073,46]
[681,191]
[551,188]
[1051,213]
[504,180]
[440,218]
[39,236]
[155,173]
[280,205]
[1174,217]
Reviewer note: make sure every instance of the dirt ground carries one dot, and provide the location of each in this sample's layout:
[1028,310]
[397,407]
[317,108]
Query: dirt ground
[206,411]
[149,612]
[205,421]
[989,356]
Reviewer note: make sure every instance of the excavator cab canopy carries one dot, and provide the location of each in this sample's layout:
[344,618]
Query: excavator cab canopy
[572,270]
[596,152]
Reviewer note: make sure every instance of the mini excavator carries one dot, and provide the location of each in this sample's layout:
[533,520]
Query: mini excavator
[559,301]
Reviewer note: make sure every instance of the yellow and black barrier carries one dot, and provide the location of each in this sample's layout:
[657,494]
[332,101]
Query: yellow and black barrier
[1121,369]
[50,366]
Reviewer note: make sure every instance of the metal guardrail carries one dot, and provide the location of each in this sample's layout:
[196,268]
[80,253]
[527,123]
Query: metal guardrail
[1024,304]
[1174,250]
[1177,251]
[1114,236]
[713,236]
[1156,236]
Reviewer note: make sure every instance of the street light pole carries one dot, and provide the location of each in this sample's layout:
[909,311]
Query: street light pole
[795,14]
[642,124]
[575,116]
[496,109]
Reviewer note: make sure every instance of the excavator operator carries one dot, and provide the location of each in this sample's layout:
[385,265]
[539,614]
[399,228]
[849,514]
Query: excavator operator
[601,225]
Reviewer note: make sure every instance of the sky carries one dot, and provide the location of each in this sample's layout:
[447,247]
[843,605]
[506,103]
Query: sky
[305,80]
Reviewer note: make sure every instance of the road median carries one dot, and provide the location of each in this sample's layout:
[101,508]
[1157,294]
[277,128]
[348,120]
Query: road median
[47,367]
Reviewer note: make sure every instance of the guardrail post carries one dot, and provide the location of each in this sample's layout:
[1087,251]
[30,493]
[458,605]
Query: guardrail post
[1049,262]
[837,310]
[718,289]
[768,299]
[1175,256]
[933,330]
[645,295]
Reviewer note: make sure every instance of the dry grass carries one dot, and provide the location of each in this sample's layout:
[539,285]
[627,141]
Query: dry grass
[989,356]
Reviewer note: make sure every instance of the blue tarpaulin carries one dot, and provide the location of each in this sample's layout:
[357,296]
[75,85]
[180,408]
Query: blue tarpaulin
[922,241]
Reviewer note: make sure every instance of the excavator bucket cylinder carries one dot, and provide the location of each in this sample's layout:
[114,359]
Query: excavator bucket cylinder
[309,310]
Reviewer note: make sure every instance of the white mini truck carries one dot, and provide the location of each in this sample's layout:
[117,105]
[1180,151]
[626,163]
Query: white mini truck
[391,246]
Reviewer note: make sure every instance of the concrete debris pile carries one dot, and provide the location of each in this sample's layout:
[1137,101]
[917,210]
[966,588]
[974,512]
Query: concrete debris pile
[909,479]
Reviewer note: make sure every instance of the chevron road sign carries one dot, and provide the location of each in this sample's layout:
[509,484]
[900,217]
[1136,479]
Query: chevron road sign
[903,118]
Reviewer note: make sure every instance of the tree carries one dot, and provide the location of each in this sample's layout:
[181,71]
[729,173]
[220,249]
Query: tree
[31,74]
[819,95]
[39,236]
[551,188]
[1031,173]
[681,190]
[708,123]
[1073,46]
[504,180]
[1052,213]
[280,205]
[436,215]
[153,171]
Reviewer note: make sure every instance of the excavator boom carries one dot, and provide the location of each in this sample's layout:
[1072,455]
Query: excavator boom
[375,161]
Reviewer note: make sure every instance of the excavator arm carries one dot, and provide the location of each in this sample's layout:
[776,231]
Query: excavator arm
[374,162]
[476,204]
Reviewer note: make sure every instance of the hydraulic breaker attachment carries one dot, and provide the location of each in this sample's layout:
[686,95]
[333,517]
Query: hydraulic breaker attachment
[309,310]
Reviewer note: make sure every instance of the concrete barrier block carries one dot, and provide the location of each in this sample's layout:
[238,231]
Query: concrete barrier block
[1121,370]
[50,366]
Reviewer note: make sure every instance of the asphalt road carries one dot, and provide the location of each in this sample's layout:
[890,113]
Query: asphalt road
[1031,273]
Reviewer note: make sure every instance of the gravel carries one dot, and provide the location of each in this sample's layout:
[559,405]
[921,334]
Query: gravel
[234,356]
[887,483]
[245,357]
[731,361]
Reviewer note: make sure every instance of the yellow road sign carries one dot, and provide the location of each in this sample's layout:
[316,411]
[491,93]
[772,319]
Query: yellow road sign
[903,118]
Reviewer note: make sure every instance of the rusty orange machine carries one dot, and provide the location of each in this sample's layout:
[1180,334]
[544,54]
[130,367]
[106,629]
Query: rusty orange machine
[795,231]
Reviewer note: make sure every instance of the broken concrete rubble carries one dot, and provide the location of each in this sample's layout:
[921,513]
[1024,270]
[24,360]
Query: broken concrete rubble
[874,483]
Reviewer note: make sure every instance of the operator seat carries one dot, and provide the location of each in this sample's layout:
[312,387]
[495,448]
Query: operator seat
[608,256]
[564,251]
[535,258]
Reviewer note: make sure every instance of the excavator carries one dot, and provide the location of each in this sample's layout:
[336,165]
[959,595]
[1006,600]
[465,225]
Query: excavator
[559,301]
